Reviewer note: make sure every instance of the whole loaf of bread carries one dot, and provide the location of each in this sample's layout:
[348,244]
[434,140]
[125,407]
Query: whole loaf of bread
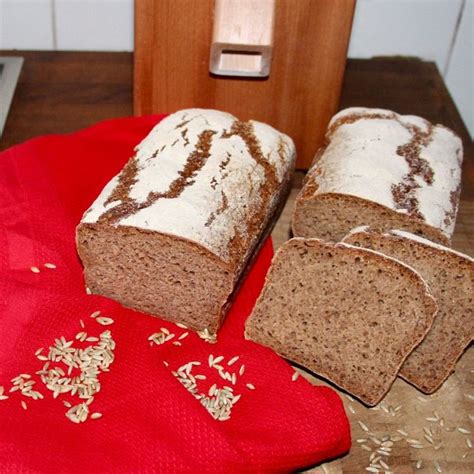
[171,234]
[385,170]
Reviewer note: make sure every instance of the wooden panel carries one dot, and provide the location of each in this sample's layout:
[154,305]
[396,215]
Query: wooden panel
[172,45]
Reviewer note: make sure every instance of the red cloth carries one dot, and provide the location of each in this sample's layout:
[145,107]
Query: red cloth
[150,422]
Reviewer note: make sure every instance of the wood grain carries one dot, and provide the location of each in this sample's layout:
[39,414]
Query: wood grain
[172,44]
[62,92]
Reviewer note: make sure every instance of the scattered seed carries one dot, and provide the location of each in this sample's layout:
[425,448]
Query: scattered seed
[96,416]
[165,363]
[38,351]
[185,334]
[431,419]
[351,409]
[464,430]
[242,370]
[362,440]
[374,458]
[469,443]
[176,343]
[402,432]
[95,314]
[88,291]
[233,360]
[50,265]
[250,386]
[363,426]
[104,321]
[384,464]
[35,269]
[429,439]
[24,405]
[349,397]
[81,322]
[421,399]
[437,466]
[182,326]
[295,376]
[207,336]
[366,448]
[371,469]
[67,404]
[419,463]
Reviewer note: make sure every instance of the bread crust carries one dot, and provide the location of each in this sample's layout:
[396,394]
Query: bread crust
[402,168]
[207,181]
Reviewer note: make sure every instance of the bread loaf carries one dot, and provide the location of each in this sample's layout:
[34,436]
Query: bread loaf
[385,170]
[348,314]
[171,234]
[450,276]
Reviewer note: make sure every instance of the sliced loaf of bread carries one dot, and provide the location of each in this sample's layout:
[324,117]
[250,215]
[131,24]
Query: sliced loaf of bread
[348,314]
[450,276]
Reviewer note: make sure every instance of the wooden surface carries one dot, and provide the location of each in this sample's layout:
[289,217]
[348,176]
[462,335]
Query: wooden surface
[301,93]
[62,92]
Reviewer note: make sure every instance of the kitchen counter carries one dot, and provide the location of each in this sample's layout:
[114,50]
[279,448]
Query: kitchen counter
[60,92]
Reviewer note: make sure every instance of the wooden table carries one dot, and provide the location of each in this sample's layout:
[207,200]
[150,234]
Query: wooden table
[62,92]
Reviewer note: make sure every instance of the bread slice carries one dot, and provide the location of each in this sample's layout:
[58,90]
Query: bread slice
[450,276]
[347,314]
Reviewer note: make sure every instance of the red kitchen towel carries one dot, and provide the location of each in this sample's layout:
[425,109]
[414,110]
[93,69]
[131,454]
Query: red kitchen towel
[150,422]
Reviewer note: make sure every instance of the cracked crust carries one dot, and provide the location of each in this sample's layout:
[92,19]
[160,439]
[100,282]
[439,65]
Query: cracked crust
[406,166]
[204,177]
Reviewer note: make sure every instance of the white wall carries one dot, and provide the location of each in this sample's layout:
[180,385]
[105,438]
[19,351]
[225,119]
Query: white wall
[438,30]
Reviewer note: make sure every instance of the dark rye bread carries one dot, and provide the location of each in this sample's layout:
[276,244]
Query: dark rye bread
[385,170]
[348,314]
[172,234]
[450,276]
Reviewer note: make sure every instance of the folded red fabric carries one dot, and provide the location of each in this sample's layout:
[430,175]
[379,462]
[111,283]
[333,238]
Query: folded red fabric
[150,422]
